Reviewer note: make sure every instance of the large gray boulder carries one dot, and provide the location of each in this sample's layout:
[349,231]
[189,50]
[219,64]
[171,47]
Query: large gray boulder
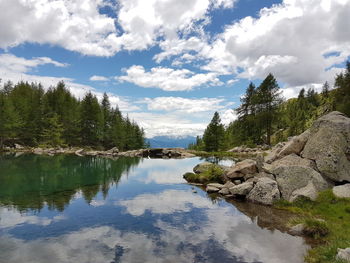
[241,169]
[289,160]
[264,192]
[329,146]
[242,189]
[308,191]
[295,145]
[293,178]
[342,191]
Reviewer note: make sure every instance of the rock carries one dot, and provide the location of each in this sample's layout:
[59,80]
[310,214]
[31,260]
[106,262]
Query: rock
[329,146]
[79,152]
[292,178]
[289,160]
[308,191]
[342,191]
[38,151]
[216,185]
[344,254]
[295,145]
[297,230]
[224,191]
[202,167]
[242,189]
[113,150]
[212,189]
[272,155]
[18,146]
[236,182]
[247,166]
[229,184]
[264,192]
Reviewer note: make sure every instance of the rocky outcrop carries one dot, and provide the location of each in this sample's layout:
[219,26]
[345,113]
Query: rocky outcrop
[329,146]
[264,192]
[342,191]
[309,163]
[293,178]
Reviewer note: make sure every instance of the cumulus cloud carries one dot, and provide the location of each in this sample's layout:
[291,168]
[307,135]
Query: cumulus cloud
[184,104]
[79,25]
[169,124]
[289,40]
[167,202]
[168,79]
[98,78]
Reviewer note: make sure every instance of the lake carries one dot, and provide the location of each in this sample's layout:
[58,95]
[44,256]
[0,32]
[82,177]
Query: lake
[67,208]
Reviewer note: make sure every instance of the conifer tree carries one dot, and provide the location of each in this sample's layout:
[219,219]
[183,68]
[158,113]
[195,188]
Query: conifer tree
[90,121]
[213,137]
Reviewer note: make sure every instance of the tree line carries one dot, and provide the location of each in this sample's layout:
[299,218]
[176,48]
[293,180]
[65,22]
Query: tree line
[264,117]
[31,116]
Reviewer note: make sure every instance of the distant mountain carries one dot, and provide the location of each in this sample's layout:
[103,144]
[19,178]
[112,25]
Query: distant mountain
[170,142]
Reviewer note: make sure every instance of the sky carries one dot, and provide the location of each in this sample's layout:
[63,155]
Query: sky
[170,64]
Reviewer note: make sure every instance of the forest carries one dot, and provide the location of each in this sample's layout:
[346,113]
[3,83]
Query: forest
[265,118]
[31,116]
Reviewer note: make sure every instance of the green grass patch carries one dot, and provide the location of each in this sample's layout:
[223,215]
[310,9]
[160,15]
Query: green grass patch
[334,230]
[214,174]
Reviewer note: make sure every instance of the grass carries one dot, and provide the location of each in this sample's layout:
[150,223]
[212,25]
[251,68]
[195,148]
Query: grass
[213,175]
[334,231]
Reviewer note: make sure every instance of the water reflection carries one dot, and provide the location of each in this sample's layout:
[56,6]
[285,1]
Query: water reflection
[150,215]
[31,181]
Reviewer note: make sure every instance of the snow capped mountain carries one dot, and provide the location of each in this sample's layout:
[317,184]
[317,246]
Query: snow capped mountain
[171,141]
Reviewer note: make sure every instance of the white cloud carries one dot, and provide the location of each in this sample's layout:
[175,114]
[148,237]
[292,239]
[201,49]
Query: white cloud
[167,202]
[168,79]
[79,26]
[10,217]
[74,25]
[184,104]
[170,124]
[98,78]
[17,69]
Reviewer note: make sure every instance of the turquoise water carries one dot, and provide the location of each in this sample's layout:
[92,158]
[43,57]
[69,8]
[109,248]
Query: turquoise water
[67,208]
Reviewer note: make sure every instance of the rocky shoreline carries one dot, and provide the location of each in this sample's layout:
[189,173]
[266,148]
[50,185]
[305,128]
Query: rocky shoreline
[164,153]
[314,161]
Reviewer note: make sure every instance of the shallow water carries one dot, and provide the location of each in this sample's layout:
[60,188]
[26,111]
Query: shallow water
[89,209]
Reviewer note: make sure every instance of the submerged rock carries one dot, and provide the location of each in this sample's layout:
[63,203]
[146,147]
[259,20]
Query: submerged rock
[216,185]
[212,189]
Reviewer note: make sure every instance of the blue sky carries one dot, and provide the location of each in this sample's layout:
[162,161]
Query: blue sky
[170,64]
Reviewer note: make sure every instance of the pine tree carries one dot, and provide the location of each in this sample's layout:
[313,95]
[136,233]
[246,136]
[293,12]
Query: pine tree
[268,100]
[90,121]
[107,122]
[213,137]
[53,131]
